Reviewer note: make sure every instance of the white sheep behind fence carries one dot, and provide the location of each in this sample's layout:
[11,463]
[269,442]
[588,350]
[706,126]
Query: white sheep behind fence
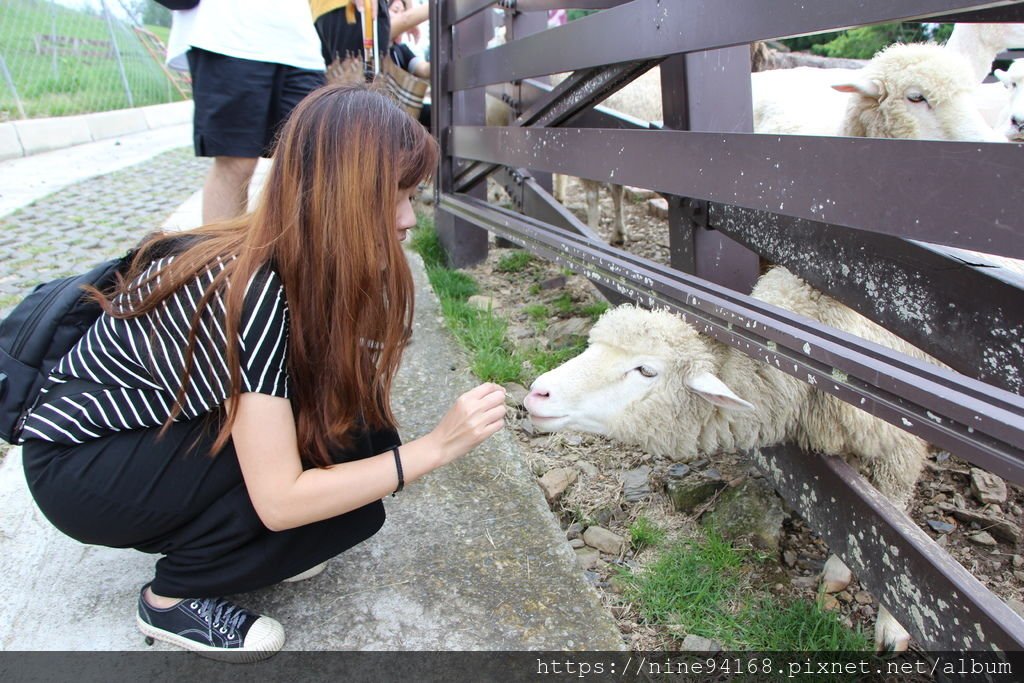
[1011,119]
[650,379]
[910,91]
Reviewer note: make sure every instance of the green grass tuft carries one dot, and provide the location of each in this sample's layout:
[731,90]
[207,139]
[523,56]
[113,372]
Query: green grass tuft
[643,533]
[701,587]
[514,262]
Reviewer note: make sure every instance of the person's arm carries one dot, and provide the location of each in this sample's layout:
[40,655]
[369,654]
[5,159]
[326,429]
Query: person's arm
[420,67]
[286,496]
[414,16]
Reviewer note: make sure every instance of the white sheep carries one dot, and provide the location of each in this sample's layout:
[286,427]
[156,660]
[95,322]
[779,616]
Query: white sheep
[649,378]
[1011,120]
[915,90]
[980,44]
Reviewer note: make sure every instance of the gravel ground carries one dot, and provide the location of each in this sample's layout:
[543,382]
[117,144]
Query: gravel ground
[943,506]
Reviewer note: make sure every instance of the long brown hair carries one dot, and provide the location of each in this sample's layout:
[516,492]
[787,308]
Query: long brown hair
[326,223]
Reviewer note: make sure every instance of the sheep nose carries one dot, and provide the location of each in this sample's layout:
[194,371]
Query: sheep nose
[537,395]
[1017,122]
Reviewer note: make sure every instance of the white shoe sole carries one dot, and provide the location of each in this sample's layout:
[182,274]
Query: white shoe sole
[273,642]
[315,570]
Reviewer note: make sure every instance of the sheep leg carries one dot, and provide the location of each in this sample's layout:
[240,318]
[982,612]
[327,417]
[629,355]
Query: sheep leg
[889,635]
[592,189]
[559,182]
[618,224]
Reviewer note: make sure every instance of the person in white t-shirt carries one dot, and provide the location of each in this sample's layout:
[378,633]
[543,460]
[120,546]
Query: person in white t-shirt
[251,62]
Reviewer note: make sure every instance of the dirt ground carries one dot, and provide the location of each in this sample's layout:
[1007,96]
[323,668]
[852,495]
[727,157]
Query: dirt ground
[942,507]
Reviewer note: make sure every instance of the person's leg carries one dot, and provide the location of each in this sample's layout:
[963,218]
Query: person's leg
[226,191]
[233,107]
[291,85]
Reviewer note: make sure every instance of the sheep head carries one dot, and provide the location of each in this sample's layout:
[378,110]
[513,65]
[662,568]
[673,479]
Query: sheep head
[646,378]
[1013,79]
[914,91]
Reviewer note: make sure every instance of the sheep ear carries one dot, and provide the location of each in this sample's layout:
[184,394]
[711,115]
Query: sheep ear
[868,87]
[715,392]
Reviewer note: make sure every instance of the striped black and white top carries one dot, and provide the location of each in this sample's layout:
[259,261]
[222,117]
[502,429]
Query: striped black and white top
[125,374]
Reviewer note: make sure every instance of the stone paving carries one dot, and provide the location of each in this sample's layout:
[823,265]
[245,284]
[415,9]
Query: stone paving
[91,220]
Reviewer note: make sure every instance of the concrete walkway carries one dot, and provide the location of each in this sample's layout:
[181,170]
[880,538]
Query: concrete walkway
[470,558]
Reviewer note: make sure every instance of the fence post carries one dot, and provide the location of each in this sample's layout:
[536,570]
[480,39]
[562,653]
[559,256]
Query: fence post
[708,91]
[464,243]
[117,54]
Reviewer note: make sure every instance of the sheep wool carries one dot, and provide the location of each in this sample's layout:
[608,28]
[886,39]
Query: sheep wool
[605,390]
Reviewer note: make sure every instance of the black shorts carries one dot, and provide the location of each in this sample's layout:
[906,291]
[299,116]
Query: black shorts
[240,103]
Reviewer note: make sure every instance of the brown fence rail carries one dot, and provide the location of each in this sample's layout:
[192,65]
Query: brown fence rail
[735,198]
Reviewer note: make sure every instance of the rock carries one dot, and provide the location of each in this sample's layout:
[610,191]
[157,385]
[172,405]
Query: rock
[678,471]
[938,526]
[982,538]
[604,540]
[829,603]
[844,596]
[658,207]
[987,487]
[750,511]
[942,456]
[1019,575]
[587,468]
[574,530]
[515,393]
[556,282]
[527,426]
[958,501]
[556,481]
[942,541]
[639,192]
[483,303]
[789,557]
[805,581]
[692,643]
[863,598]
[566,332]
[576,543]
[517,332]
[998,526]
[1018,561]
[1016,605]
[587,558]
[691,490]
[572,440]
[635,485]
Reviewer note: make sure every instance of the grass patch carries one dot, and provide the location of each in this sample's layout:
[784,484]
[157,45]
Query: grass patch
[482,333]
[564,304]
[595,310]
[643,533]
[702,587]
[515,262]
[75,69]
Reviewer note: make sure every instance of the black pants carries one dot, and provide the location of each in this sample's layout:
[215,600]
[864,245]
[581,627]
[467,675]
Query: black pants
[167,495]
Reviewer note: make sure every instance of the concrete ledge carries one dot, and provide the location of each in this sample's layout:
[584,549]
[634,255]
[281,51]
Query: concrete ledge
[32,136]
[43,135]
[111,124]
[10,145]
[170,114]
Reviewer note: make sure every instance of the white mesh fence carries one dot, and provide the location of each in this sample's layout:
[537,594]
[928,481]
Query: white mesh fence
[61,57]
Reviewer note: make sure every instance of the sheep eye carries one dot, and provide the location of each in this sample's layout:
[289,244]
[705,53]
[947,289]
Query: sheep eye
[916,97]
[647,371]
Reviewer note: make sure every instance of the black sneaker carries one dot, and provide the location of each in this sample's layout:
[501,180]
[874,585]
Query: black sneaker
[212,627]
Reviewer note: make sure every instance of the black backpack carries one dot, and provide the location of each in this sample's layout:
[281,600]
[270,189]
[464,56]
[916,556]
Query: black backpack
[39,332]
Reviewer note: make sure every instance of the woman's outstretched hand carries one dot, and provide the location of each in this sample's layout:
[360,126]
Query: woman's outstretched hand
[475,416]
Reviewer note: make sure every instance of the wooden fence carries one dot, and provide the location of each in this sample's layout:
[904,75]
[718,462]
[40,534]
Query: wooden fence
[888,248]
